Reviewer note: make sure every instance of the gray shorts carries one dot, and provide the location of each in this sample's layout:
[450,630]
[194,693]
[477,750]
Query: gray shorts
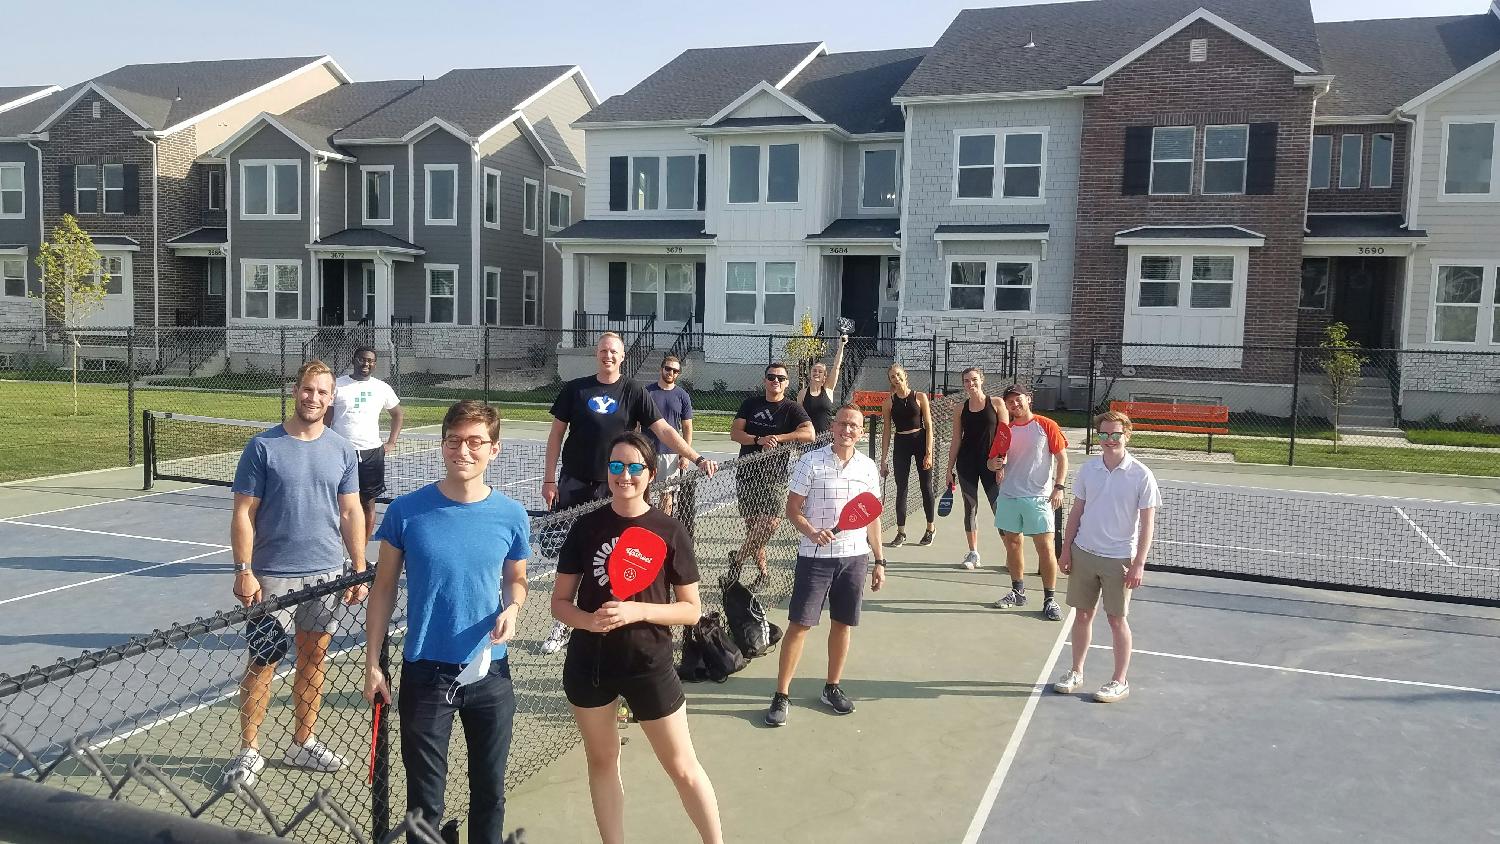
[835,582]
[267,636]
[666,467]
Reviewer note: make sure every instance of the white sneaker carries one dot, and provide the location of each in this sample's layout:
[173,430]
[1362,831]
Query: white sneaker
[971,560]
[1068,683]
[1112,692]
[557,638]
[314,756]
[244,767]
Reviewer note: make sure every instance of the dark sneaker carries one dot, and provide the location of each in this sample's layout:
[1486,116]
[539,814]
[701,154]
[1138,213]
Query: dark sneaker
[776,714]
[898,541]
[1010,600]
[926,539]
[1051,610]
[836,700]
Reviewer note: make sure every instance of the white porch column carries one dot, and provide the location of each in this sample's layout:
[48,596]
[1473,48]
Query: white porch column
[569,292]
[384,289]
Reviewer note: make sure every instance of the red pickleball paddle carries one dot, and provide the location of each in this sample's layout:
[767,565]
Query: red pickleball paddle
[859,512]
[374,739]
[635,562]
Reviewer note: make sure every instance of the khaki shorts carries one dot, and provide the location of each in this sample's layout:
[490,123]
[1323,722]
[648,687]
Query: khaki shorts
[1093,576]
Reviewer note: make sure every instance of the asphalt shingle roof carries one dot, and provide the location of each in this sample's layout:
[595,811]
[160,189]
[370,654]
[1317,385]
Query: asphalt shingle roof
[367,238]
[1187,233]
[860,228]
[18,92]
[202,236]
[317,120]
[616,229]
[166,94]
[1359,225]
[473,100]
[1380,64]
[854,90]
[21,120]
[699,82]
[984,50]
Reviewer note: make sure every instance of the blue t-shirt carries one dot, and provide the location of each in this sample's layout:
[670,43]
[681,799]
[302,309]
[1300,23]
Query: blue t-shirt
[298,483]
[455,557]
[674,405]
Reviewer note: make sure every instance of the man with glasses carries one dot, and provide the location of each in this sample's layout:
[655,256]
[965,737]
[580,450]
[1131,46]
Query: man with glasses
[463,548]
[676,409]
[1104,549]
[358,399]
[1030,460]
[764,423]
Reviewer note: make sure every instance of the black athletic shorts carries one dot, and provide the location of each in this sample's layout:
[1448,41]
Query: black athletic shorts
[371,473]
[651,696]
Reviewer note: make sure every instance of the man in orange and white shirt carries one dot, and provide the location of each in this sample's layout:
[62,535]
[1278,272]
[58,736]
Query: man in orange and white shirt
[1030,460]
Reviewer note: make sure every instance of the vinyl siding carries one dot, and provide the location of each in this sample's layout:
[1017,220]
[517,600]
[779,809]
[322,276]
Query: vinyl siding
[446,244]
[506,247]
[552,115]
[851,182]
[25,231]
[269,239]
[393,155]
[602,144]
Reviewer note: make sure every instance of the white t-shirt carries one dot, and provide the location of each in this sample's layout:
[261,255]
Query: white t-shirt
[356,409]
[828,485]
[1028,448]
[1113,501]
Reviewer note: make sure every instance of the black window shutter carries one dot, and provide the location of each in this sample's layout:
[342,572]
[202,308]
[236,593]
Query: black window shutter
[66,198]
[700,291]
[617,290]
[1260,165]
[702,196]
[1136,179]
[619,183]
[132,188]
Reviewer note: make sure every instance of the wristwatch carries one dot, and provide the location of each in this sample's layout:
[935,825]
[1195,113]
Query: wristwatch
[880,563]
[1059,487]
[239,567]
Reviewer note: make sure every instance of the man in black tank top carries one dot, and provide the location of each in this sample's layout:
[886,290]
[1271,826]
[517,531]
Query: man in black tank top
[969,448]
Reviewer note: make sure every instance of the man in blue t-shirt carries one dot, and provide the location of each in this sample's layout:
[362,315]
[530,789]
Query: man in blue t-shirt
[464,548]
[296,514]
[676,409]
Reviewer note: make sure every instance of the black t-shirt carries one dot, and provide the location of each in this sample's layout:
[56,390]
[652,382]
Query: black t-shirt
[640,648]
[766,418]
[597,413]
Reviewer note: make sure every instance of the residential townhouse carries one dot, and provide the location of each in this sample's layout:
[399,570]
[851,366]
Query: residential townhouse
[124,154]
[737,190]
[424,203]
[18,238]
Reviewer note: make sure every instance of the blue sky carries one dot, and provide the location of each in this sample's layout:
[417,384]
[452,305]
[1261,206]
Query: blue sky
[617,43]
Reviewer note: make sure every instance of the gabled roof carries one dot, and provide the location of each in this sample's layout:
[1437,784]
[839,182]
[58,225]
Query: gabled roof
[362,239]
[854,90]
[700,82]
[315,122]
[1050,47]
[18,95]
[22,119]
[471,101]
[1378,65]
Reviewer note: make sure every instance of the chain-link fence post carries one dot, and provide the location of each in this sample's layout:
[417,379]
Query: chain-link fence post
[380,774]
[130,395]
[1291,443]
[282,368]
[932,367]
[485,362]
[1088,410]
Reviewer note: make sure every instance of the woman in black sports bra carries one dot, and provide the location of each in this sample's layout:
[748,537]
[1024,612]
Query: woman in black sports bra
[816,396]
[908,420]
[973,430]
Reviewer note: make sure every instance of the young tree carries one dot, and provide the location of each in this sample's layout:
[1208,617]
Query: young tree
[1341,364]
[74,281]
[806,349]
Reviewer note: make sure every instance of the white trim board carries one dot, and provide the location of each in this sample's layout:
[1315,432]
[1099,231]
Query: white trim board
[44,92]
[1456,80]
[775,93]
[820,50]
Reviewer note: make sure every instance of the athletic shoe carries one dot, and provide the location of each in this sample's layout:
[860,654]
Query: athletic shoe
[971,560]
[776,714]
[1010,600]
[898,540]
[1051,610]
[926,539]
[1113,692]
[314,756]
[557,638]
[244,767]
[1068,683]
[836,700]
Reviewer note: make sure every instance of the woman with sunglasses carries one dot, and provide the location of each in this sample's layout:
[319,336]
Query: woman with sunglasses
[908,420]
[623,648]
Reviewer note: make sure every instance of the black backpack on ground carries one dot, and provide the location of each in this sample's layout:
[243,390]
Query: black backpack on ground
[708,652]
[746,616]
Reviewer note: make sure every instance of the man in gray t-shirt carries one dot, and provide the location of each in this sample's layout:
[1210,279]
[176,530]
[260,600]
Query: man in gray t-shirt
[296,514]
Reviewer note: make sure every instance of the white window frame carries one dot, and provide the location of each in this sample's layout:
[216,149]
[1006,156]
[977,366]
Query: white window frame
[209,201]
[1486,306]
[20,166]
[1184,307]
[1192,151]
[427,297]
[491,183]
[364,195]
[895,181]
[997,182]
[563,192]
[270,164]
[666,157]
[1244,161]
[367,291]
[764,292]
[991,282]
[271,264]
[427,171]
[97,190]
[1359,163]
[531,206]
[661,184]
[763,183]
[5,277]
[1390,159]
[485,297]
[105,190]
[1311,158]
[1442,186]
[208,277]
[531,293]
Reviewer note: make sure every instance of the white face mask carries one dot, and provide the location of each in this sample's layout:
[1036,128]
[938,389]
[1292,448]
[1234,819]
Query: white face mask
[477,668]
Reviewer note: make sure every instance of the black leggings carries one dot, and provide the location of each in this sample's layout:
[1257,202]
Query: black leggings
[970,476]
[911,447]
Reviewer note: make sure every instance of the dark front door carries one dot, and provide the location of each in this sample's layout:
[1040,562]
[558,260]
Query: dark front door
[333,293]
[861,289]
[1359,295]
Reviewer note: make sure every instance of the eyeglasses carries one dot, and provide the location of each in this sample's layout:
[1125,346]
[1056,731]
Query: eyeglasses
[366,361]
[618,467]
[672,369]
[1110,436]
[777,378]
[472,443]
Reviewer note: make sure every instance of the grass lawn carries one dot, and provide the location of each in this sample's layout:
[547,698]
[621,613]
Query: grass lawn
[1447,436]
[1348,457]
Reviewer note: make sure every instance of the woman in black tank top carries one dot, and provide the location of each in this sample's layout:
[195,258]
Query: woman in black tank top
[908,420]
[816,396]
[974,429]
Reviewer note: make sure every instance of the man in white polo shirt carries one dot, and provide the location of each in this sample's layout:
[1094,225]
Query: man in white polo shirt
[1030,460]
[1104,550]
[358,399]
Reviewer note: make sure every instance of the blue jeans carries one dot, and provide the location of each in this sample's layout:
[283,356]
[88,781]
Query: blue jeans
[488,711]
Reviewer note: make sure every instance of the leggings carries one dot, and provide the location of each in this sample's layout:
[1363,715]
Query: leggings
[969,479]
[911,447]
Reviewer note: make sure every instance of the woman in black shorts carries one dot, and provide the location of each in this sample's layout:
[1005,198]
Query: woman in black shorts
[968,449]
[816,396]
[623,648]
[908,420]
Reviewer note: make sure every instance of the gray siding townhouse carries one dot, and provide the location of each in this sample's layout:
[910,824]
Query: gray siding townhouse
[742,190]
[125,154]
[20,232]
[423,203]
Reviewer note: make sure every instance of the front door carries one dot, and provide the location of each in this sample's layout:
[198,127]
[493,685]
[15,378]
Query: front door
[862,280]
[333,293]
[1359,297]
[117,310]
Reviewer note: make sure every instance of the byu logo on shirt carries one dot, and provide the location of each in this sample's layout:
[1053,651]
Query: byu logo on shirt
[603,405]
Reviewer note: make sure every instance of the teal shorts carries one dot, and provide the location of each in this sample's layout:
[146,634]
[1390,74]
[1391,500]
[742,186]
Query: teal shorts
[1026,516]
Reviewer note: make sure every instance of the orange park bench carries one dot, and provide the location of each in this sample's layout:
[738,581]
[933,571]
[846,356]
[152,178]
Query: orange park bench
[1207,419]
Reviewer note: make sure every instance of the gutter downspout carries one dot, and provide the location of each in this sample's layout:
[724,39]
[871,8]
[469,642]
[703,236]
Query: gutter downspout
[155,248]
[1408,208]
[41,227]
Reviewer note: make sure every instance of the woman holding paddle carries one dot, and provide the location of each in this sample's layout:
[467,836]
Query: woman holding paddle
[626,574]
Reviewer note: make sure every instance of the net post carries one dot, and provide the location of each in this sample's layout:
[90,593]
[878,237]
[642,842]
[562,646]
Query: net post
[1291,445]
[1088,415]
[148,455]
[282,379]
[130,397]
[380,786]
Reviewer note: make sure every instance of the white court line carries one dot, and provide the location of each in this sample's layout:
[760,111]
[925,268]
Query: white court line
[992,791]
[1335,674]
[115,535]
[111,576]
[106,501]
[1423,534]
[1311,554]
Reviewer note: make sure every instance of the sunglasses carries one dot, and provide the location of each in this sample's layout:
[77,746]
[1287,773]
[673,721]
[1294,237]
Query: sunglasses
[671,369]
[618,467]
[1110,436]
[777,378]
